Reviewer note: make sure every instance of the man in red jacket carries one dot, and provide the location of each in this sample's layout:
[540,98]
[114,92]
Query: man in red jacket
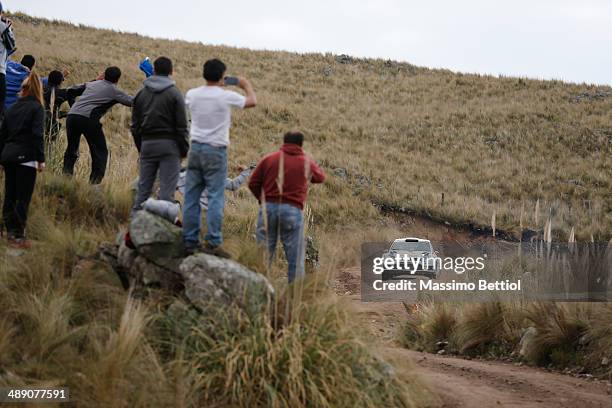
[280,183]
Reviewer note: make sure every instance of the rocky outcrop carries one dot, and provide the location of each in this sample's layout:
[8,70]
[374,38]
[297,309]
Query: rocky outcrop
[222,281]
[597,95]
[152,258]
[344,59]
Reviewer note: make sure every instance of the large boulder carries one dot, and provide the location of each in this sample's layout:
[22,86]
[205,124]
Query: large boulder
[223,281]
[155,260]
[155,238]
[149,275]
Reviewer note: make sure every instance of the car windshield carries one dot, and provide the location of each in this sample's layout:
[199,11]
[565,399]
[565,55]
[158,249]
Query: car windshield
[411,246]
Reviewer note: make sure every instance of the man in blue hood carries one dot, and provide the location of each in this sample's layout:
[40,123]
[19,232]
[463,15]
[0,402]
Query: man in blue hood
[160,131]
[16,73]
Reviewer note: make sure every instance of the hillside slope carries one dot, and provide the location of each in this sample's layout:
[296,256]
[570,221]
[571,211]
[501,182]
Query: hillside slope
[385,132]
[388,132]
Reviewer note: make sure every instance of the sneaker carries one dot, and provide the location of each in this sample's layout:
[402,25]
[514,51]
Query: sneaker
[19,243]
[216,251]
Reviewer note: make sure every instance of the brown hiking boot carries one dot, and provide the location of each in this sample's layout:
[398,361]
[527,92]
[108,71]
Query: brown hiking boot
[216,251]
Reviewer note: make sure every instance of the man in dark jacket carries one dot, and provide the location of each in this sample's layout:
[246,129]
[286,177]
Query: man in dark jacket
[280,183]
[55,96]
[161,135]
[96,98]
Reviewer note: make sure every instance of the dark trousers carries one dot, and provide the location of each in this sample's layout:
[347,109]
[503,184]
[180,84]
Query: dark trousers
[77,126]
[19,184]
[161,156]
[2,95]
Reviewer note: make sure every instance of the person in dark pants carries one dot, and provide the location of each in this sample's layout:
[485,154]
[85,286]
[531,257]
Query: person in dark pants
[96,98]
[161,133]
[22,155]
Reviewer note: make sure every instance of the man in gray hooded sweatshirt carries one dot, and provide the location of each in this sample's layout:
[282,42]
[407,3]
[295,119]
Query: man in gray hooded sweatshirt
[161,133]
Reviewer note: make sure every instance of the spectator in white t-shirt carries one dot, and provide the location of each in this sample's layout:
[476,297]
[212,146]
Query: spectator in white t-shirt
[210,107]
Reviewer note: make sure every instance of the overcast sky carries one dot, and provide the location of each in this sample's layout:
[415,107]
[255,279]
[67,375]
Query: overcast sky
[561,39]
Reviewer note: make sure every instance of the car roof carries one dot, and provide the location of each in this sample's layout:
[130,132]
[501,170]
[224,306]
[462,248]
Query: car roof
[411,239]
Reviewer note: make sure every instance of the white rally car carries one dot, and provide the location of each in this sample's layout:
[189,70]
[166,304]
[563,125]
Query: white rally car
[422,259]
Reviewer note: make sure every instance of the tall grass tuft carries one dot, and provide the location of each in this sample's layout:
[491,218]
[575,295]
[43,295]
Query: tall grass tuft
[559,329]
[311,358]
[114,357]
[599,336]
[488,327]
[434,323]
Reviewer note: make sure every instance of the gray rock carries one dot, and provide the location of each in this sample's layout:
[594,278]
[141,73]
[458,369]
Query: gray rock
[584,340]
[125,256]
[344,59]
[155,238]
[312,253]
[527,340]
[108,253]
[605,361]
[223,282]
[597,95]
[362,180]
[148,274]
[387,369]
[341,172]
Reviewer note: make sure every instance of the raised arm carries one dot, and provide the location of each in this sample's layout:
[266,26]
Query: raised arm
[251,98]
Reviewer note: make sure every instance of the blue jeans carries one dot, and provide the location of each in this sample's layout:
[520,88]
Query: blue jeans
[206,169]
[284,221]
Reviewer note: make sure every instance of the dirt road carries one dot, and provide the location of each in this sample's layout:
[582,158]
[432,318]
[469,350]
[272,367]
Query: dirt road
[473,383]
[477,383]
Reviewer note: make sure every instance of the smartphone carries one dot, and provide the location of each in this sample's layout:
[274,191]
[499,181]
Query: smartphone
[231,81]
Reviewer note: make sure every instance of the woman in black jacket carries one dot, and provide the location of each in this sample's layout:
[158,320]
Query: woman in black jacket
[23,154]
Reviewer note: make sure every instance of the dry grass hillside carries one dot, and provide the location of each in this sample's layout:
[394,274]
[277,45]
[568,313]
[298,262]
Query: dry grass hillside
[385,132]
[404,135]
